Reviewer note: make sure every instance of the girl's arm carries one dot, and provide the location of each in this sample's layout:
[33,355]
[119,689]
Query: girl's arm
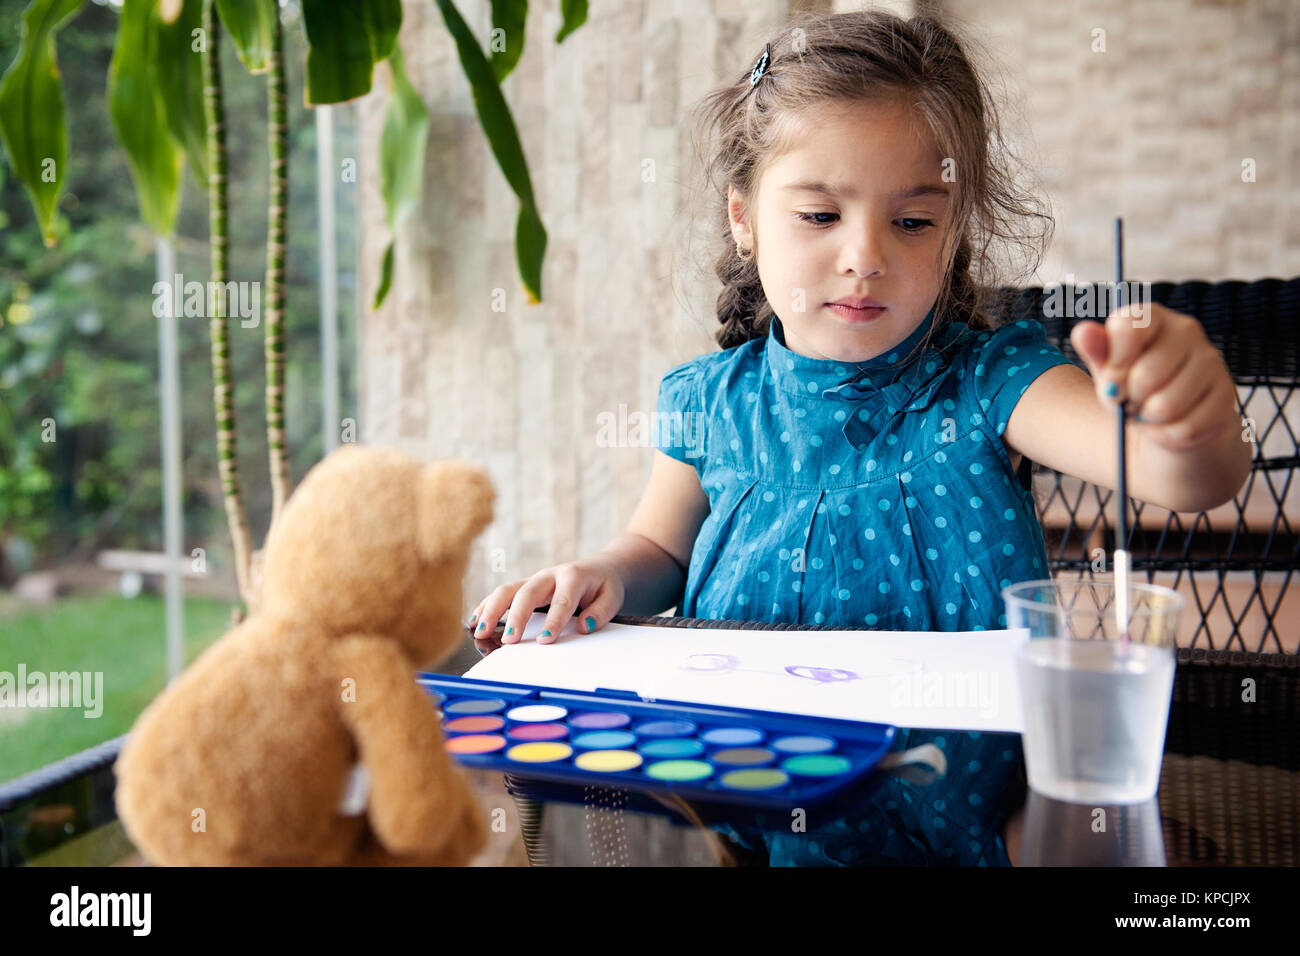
[1187,455]
[653,553]
[639,573]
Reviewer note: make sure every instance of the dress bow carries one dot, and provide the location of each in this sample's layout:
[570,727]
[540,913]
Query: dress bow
[909,390]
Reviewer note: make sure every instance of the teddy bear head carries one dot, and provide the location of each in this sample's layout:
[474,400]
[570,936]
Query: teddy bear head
[374,541]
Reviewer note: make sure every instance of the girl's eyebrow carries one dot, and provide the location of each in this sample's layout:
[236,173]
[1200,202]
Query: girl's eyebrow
[909,193]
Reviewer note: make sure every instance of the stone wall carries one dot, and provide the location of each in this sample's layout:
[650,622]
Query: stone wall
[1154,129]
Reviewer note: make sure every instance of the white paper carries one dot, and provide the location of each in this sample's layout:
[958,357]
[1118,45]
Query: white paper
[957,680]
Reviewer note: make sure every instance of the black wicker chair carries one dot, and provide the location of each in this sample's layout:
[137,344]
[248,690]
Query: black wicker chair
[1223,751]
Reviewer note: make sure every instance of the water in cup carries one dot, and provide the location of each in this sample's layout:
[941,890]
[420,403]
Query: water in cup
[1095,714]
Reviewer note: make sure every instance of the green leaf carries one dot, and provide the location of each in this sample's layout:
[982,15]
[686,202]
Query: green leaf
[249,24]
[31,110]
[180,80]
[383,18]
[401,158]
[385,276]
[508,16]
[139,117]
[499,127]
[574,13]
[346,39]
[530,250]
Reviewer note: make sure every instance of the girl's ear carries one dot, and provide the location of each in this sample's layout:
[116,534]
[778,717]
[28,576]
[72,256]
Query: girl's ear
[738,213]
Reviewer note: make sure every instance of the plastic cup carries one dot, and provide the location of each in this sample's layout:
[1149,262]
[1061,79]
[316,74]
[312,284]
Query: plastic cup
[1095,708]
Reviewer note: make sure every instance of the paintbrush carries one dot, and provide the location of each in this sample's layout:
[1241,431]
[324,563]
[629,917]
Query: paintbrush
[1121,524]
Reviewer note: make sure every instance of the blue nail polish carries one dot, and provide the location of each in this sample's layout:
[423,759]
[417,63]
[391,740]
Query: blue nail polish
[481,625]
[591,624]
[546,633]
[510,630]
[1111,389]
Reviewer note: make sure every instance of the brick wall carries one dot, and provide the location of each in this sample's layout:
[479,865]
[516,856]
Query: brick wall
[1155,129]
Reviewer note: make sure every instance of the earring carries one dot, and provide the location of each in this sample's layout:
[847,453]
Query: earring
[741,256]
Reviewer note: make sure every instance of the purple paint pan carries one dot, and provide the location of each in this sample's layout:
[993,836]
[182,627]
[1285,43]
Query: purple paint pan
[600,720]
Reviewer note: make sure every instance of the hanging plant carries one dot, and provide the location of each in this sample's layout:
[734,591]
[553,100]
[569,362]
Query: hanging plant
[165,98]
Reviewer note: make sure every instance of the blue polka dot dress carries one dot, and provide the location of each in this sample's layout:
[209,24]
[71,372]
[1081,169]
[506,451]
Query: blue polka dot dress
[877,494]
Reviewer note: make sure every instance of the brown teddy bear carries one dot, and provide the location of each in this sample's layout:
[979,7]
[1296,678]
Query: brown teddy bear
[257,754]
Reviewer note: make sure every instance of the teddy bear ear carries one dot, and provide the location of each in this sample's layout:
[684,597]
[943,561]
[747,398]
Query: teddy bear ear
[454,504]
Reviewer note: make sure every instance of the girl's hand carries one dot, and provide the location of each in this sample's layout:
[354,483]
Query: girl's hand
[1176,383]
[591,587]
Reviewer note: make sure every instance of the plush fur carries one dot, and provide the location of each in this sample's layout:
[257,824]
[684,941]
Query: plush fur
[244,758]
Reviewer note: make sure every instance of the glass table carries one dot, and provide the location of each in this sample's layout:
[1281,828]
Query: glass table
[1242,812]
[606,826]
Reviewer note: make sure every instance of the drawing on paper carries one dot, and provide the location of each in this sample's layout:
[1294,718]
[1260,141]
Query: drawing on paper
[729,663]
[824,675]
[711,662]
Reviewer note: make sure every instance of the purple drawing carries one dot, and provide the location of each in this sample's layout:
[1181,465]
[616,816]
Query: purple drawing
[728,663]
[712,662]
[825,675]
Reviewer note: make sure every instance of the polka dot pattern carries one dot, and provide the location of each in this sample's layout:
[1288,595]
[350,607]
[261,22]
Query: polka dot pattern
[750,465]
[903,514]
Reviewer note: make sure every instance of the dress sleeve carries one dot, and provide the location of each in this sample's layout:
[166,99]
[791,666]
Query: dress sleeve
[679,425]
[1005,362]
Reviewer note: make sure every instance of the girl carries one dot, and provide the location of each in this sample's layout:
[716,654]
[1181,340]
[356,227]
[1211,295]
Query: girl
[850,456]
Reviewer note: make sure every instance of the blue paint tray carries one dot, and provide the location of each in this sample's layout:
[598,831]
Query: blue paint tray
[614,738]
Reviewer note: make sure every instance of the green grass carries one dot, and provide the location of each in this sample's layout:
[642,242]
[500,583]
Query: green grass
[124,639]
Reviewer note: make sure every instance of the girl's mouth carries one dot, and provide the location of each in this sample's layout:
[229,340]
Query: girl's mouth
[856,315]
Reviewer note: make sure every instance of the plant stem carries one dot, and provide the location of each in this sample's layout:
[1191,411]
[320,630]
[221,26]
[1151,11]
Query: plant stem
[222,383]
[278,151]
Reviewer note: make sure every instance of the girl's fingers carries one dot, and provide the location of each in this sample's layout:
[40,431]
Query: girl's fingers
[571,589]
[1206,422]
[472,622]
[596,614]
[565,589]
[1131,330]
[479,622]
[537,590]
[1179,396]
[493,606]
[1153,372]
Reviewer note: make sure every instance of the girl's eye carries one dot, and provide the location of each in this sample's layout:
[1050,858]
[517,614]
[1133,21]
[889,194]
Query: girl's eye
[918,225]
[809,217]
[909,225]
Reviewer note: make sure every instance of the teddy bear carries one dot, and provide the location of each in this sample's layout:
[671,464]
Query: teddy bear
[301,737]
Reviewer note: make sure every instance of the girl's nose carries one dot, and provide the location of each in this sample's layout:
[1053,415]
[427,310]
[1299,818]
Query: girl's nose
[863,252]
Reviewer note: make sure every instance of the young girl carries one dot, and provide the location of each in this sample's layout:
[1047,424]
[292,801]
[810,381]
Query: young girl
[850,456]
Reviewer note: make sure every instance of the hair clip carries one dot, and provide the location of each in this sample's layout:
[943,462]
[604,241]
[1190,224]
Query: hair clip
[760,67]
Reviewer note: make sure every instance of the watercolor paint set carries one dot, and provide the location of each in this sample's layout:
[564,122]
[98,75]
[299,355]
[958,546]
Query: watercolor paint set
[614,738]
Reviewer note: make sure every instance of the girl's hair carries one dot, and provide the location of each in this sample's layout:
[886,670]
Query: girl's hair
[860,57]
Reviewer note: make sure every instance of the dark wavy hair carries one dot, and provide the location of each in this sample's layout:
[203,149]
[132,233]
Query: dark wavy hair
[868,56]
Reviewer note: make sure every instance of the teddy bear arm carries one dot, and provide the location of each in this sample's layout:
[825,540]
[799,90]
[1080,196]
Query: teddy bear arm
[417,795]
